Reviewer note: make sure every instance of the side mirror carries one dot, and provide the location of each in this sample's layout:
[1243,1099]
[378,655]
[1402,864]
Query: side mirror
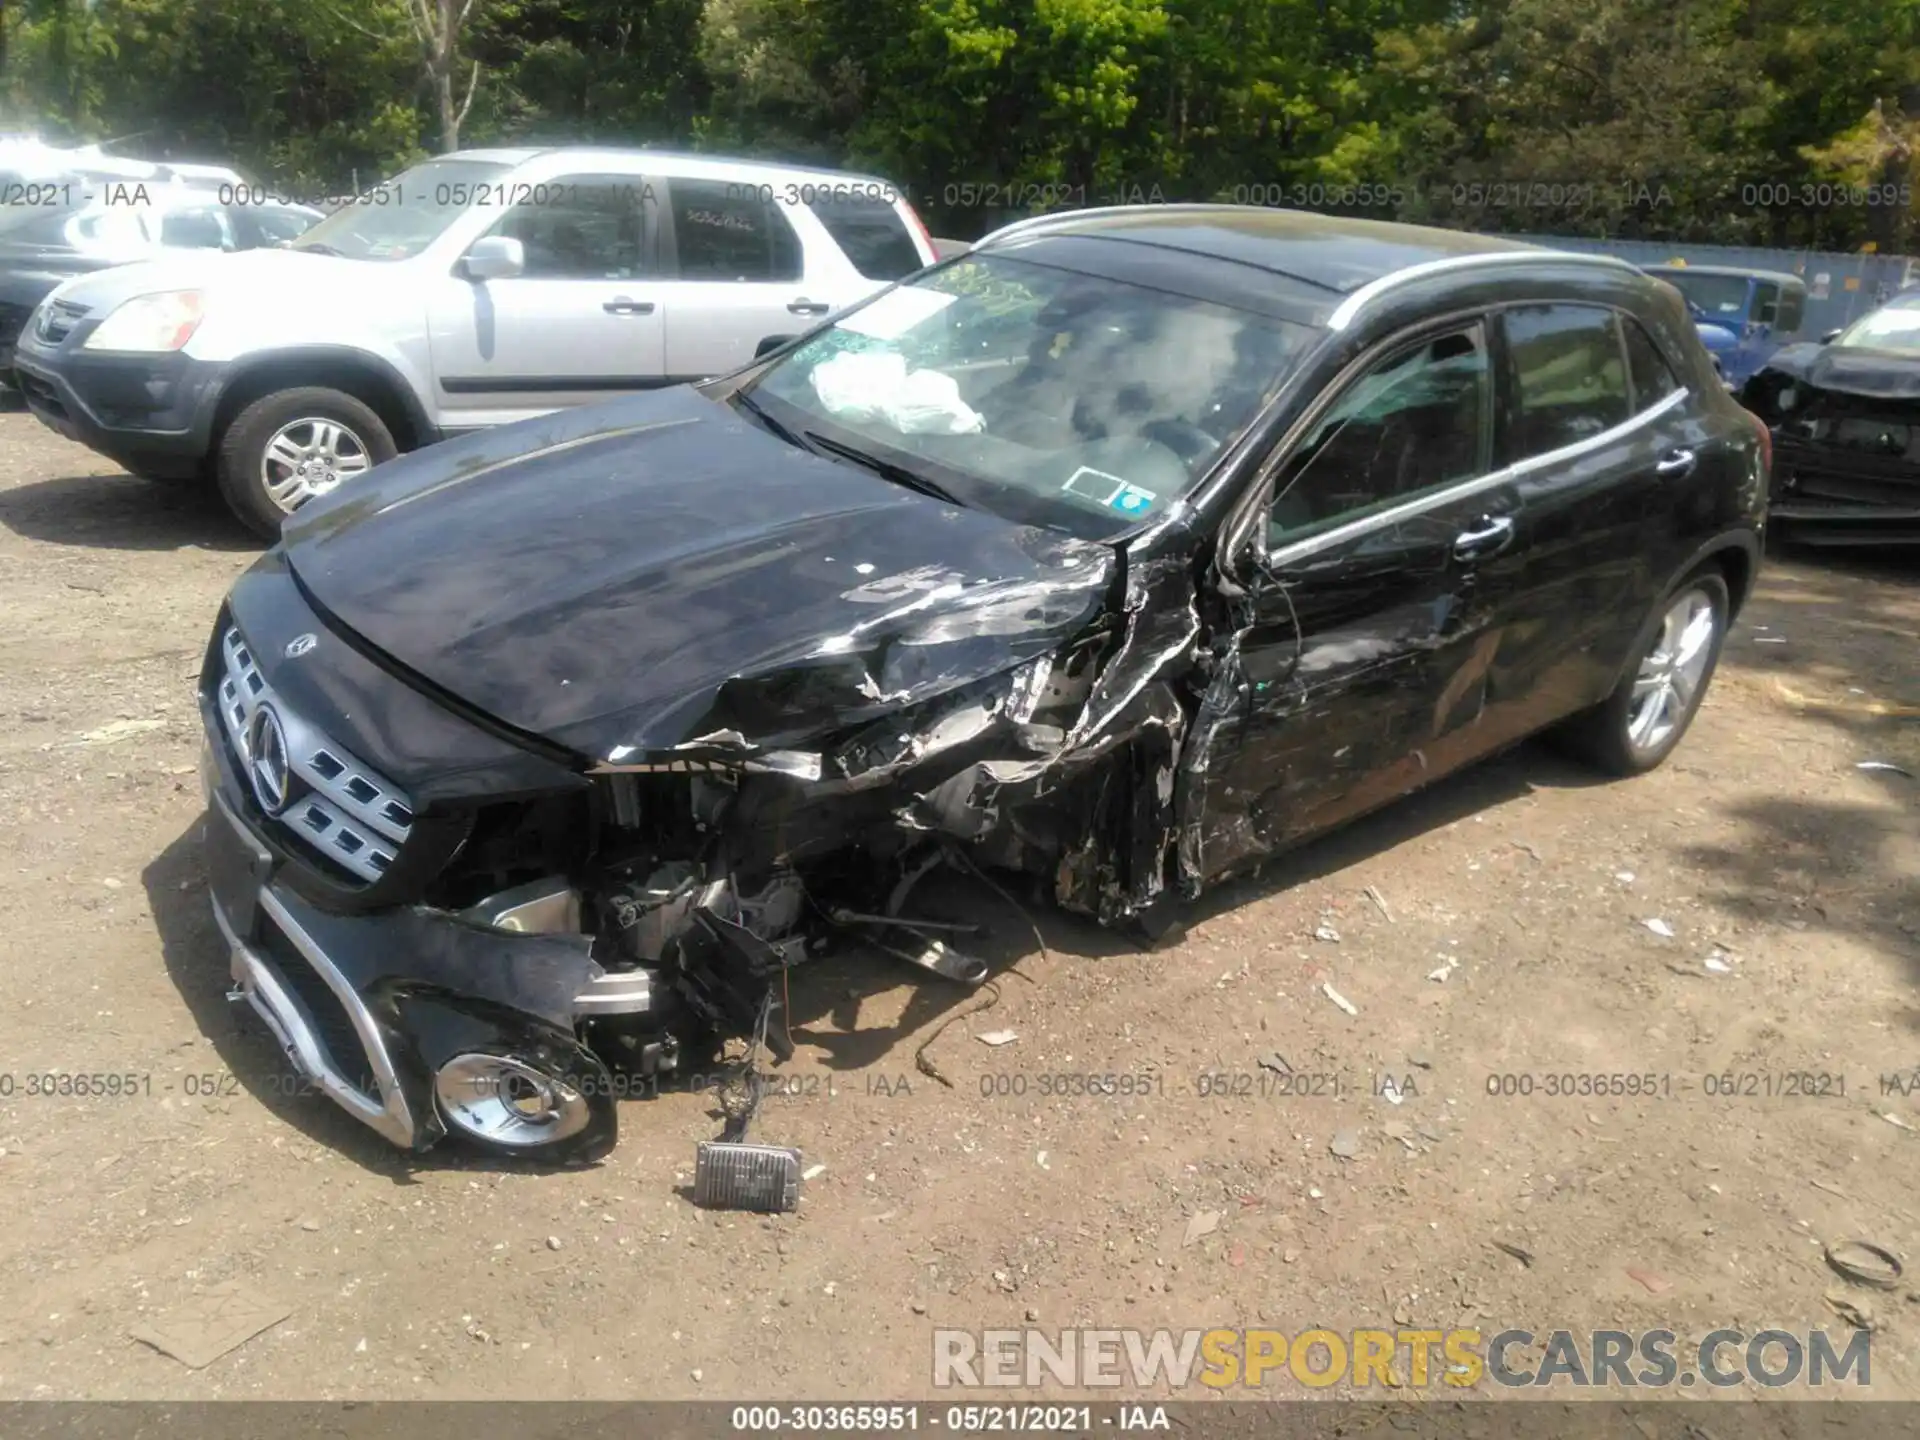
[494,257]
[1829,337]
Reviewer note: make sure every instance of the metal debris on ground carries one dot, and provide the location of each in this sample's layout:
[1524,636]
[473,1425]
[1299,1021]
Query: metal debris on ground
[1659,927]
[1884,766]
[997,1037]
[1439,976]
[1324,931]
[1379,902]
[1525,1257]
[736,1175]
[1273,1060]
[1337,998]
[1864,1264]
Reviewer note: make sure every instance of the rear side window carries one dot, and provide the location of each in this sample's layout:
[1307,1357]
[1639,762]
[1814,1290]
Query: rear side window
[1566,377]
[1792,308]
[871,233]
[730,231]
[1653,379]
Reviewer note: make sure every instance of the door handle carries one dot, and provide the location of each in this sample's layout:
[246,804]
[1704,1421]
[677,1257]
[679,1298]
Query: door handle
[621,305]
[804,306]
[1492,535]
[1675,462]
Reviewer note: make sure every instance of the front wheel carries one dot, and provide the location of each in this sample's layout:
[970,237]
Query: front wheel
[287,447]
[1638,726]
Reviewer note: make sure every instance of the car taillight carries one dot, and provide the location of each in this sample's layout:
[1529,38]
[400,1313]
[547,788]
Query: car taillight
[920,228]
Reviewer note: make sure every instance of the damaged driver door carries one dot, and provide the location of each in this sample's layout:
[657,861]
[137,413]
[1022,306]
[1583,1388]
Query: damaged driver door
[1370,585]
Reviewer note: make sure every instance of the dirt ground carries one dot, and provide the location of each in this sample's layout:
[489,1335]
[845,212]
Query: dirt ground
[1512,942]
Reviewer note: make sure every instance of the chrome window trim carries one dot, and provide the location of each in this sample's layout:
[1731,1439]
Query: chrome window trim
[1349,309]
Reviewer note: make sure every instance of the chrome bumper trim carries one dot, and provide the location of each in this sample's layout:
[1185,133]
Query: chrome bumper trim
[286,1017]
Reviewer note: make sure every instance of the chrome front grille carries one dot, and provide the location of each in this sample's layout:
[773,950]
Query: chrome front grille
[337,807]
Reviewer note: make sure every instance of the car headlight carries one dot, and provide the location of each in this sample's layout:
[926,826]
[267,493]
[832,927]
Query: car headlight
[164,321]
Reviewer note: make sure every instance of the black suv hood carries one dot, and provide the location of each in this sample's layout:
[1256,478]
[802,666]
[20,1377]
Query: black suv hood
[658,572]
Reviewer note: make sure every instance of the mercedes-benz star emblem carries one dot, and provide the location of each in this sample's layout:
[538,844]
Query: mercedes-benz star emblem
[267,761]
[301,644]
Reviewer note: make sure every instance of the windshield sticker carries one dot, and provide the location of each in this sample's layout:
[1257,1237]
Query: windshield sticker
[897,312]
[1094,485]
[1132,501]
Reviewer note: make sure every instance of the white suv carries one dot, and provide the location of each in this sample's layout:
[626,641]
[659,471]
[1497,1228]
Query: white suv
[479,288]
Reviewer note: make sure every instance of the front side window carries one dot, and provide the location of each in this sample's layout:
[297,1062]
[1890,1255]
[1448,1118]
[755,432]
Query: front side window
[1415,423]
[1056,398]
[731,231]
[402,216]
[580,227]
[1766,303]
[1793,304]
[1566,377]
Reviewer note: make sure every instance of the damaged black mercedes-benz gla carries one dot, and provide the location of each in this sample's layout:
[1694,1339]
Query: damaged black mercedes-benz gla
[1124,551]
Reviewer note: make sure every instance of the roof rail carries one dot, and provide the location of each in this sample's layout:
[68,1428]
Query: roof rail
[1053,218]
[1349,309]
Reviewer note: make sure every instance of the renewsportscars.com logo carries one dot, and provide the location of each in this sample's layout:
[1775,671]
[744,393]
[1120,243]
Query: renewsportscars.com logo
[1223,1359]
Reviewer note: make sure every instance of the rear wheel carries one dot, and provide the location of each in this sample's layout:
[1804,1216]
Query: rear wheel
[287,447]
[1638,726]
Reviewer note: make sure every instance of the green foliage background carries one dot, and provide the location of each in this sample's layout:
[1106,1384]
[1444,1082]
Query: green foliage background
[1655,118]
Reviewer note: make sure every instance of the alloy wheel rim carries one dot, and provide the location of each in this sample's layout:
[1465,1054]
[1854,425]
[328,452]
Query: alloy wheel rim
[1667,685]
[309,457]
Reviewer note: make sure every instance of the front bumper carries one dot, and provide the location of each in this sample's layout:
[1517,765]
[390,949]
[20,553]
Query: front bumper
[367,1008]
[1828,495]
[152,414]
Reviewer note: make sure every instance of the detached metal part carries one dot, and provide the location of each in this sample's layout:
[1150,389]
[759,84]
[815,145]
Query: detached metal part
[729,1175]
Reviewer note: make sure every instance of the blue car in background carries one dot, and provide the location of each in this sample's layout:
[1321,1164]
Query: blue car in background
[1743,316]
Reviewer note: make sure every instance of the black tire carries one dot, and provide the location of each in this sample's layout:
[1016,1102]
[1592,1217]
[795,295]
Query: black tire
[1602,736]
[242,453]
